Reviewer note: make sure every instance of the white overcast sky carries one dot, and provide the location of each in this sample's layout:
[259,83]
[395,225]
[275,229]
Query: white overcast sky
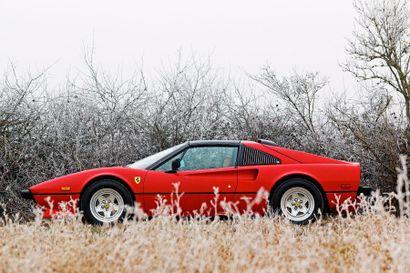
[240,36]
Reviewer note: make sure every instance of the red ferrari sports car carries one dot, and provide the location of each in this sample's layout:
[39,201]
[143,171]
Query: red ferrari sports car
[300,185]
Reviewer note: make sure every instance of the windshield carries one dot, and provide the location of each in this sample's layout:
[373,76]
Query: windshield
[148,161]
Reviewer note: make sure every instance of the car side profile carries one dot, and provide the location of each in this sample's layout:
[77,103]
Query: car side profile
[300,185]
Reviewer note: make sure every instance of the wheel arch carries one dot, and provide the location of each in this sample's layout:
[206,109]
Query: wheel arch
[304,176]
[106,176]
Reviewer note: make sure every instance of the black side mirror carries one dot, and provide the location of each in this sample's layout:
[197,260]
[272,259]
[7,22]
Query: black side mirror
[176,164]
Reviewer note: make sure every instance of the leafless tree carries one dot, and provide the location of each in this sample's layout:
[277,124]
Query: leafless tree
[298,91]
[379,51]
[380,46]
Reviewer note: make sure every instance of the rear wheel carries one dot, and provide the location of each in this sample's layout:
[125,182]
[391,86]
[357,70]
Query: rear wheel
[299,200]
[105,201]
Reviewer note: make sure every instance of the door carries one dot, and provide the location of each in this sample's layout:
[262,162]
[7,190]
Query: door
[204,171]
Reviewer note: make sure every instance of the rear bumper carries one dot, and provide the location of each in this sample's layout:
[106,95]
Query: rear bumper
[336,199]
[26,194]
[367,191]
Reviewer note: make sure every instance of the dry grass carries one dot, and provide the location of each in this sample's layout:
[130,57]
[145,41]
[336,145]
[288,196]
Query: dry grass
[373,240]
[371,243]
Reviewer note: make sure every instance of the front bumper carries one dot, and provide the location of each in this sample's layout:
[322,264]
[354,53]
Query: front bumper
[26,194]
[367,191]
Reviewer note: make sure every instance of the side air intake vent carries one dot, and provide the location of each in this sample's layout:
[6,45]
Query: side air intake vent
[252,156]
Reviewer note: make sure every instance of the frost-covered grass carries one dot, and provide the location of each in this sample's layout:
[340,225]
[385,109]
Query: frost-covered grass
[377,242]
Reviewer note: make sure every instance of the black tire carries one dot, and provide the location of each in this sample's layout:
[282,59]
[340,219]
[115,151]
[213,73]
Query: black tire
[295,184]
[98,185]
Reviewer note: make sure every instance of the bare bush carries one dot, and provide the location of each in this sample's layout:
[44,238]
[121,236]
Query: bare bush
[99,120]
[372,133]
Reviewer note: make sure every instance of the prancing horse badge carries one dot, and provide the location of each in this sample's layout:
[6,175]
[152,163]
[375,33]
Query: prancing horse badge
[137,179]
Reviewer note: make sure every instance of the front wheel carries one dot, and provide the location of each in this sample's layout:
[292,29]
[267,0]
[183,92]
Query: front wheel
[105,201]
[299,200]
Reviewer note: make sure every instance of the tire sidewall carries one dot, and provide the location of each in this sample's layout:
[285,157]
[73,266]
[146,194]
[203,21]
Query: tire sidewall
[303,183]
[98,185]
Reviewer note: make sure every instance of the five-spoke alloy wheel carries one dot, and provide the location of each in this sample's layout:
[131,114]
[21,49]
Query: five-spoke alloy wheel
[298,199]
[105,201]
[106,205]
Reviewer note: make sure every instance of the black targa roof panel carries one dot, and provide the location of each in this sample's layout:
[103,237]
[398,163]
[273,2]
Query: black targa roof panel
[214,142]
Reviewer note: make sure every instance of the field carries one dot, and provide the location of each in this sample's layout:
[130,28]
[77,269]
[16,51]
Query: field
[371,241]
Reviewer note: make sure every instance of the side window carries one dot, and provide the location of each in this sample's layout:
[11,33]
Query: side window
[200,158]
[167,165]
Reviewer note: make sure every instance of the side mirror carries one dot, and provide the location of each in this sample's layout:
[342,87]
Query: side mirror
[176,164]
